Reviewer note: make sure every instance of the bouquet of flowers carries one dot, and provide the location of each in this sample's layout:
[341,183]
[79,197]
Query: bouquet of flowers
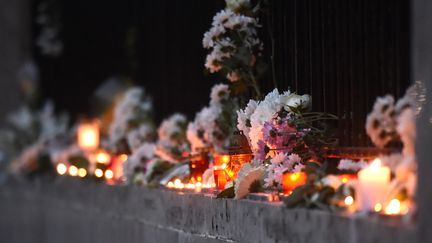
[214,124]
[283,135]
[172,145]
[132,123]
[235,50]
[31,135]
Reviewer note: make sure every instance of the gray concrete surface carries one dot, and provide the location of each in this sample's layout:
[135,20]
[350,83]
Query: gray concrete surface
[69,210]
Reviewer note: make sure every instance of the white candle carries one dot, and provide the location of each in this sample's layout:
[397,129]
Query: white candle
[88,135]
[372,188]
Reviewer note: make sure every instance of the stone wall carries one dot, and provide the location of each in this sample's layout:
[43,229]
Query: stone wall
[68,210]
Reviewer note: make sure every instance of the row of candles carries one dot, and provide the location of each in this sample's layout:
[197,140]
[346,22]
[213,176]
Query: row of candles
[102,164]
[372,182]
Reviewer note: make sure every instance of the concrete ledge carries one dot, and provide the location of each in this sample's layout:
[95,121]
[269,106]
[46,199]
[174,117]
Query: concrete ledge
[70,210]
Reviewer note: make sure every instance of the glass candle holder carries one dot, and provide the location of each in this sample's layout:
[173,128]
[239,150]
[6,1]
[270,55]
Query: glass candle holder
[197,166]
[291,180]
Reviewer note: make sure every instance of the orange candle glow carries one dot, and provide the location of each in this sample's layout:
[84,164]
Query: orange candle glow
[220,176]
[345,178]
[88,135]
[291,180]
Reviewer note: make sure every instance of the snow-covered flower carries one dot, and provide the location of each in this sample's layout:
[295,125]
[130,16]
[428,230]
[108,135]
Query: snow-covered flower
[350,165]
[248,174]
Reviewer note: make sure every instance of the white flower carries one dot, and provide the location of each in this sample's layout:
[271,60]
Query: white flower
[244,116]
[245,177]
[380,123]
[235,5]
[22,118]
[134,107]
[332,181]
[280,164]
[219,92]
[296,101]
[137,136]
[265,111]
[347,164]
[222,17]
[406,127]
[211,35]
[172,129]
[211,63]
[144,153]
[192,136]
[233,76]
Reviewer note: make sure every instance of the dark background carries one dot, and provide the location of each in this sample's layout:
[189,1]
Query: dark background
[343,53]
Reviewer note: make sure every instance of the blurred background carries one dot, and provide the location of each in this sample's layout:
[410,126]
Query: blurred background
[343,53]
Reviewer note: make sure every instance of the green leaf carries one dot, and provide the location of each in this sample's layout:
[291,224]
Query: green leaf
[298,196]
[227,193]
[256,186]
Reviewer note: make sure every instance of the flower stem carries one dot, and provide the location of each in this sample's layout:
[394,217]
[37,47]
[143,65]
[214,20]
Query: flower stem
[254,85]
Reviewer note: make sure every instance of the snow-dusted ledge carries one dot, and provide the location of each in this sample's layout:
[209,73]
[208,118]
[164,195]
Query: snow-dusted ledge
[70,210]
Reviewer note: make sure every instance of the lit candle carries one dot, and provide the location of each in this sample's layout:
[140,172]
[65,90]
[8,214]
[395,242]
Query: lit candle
[220,176]
[373,183]
[88,135]
[291,180]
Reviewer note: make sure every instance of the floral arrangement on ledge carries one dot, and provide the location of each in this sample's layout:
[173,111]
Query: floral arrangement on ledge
[272,144]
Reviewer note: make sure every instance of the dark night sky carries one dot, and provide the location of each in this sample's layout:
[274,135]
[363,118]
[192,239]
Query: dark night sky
[168,51]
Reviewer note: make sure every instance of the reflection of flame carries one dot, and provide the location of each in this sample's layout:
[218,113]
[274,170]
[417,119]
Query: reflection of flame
[197,186]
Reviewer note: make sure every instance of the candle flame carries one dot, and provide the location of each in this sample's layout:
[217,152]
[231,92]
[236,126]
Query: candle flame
[109,174]
[394,207]
[61,169]
[73,170]
[98,173]
[378,207]
[375,165]
[349,201]
[225,159]
[103,157]
[82,172]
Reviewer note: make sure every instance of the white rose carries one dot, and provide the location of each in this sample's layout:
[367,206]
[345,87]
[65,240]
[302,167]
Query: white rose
[295,100]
